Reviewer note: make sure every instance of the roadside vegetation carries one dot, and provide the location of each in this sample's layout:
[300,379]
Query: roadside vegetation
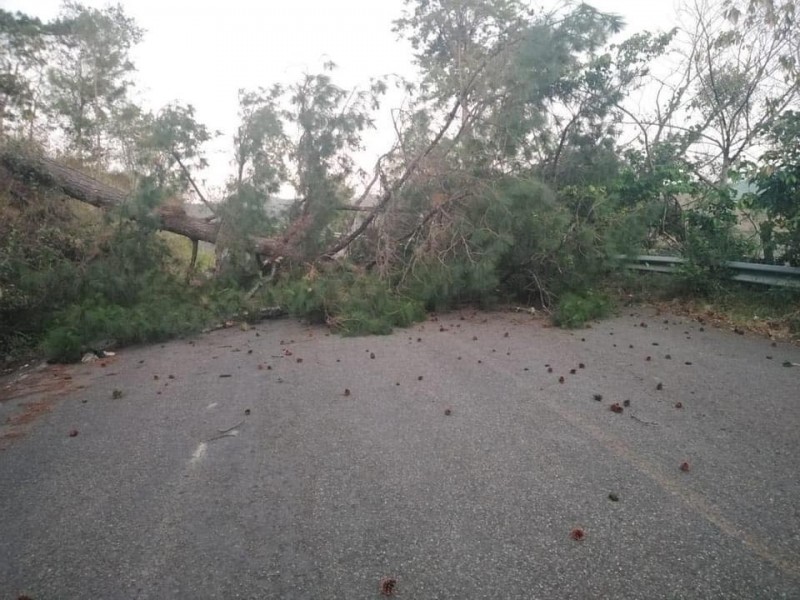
[532,151]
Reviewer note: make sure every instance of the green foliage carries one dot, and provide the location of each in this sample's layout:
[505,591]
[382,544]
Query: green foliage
[441,286]
[34,281]
[778,192]
[558,243]
[575,310]
[22,44]
[711,239]
[350,302]
[158,314]
[65,286]
[518,239]
[89,74]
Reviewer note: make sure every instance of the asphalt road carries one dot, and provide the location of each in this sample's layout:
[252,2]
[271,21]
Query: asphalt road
[173,491]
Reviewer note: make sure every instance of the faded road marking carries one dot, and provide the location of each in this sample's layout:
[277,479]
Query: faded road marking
[199,453]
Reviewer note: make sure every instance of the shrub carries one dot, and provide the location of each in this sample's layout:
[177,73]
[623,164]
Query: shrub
[349,301]
[574,310]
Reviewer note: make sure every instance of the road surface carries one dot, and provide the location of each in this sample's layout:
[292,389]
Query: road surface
[282,462]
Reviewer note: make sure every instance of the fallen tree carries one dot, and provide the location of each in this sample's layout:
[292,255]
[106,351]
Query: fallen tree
[37,169]
[40,170]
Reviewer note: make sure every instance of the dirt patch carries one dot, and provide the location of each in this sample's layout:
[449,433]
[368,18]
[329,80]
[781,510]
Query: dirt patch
[36,393]
[774,329]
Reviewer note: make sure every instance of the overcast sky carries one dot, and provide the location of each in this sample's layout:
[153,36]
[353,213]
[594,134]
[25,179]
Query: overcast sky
[203,52]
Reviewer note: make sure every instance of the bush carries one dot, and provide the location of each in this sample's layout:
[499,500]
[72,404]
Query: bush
[440,287]
[349,301]
[711,238]
[575,310]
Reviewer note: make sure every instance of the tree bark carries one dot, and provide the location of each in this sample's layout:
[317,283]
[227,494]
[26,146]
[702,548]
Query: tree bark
[40,170]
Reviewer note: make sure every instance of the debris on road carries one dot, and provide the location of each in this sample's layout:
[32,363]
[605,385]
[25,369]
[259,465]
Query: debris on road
[685,467]
[73,433]
[223,433]
[388,586]
[615,408]
[613,497]
[577,534]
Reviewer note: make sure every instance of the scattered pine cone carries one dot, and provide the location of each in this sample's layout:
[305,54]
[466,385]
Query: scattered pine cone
[388,586]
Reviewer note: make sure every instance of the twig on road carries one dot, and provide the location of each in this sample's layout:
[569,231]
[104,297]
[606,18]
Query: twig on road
[229,432]
[239,424]
[642,421]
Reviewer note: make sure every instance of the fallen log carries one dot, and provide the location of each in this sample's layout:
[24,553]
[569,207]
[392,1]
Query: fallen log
[40,170]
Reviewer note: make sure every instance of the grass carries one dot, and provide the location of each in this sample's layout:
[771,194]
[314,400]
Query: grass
[770,311]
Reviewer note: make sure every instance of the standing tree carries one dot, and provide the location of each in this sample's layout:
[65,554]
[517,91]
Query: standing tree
[23,50]
[777,192]
[746,61]
[90,79]
[734,70]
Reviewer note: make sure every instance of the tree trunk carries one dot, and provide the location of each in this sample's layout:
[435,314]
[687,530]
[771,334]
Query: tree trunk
[72,182]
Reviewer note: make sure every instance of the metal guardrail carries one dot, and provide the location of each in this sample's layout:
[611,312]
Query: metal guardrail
[773,275]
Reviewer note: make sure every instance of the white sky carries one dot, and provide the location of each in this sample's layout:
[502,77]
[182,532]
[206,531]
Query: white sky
[202,52]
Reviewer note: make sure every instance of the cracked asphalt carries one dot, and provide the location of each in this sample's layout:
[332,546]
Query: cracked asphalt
[235,465]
